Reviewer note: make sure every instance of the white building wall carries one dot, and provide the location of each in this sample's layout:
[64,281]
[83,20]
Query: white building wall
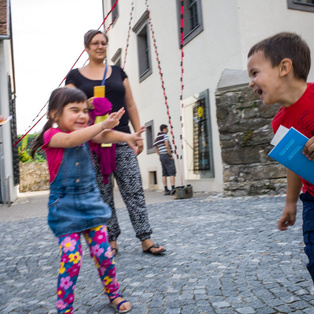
[204,61]
[262,18]
[8,190]
[230,29]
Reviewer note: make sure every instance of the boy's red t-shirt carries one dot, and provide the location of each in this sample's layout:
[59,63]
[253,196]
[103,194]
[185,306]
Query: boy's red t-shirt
[300,115]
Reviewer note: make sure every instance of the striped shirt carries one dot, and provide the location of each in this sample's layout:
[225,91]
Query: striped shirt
[160,143]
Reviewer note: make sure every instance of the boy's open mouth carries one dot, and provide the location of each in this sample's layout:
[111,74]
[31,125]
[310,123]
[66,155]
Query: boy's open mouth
[258,91]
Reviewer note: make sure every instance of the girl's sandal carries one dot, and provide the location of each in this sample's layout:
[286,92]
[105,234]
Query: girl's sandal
[117,307]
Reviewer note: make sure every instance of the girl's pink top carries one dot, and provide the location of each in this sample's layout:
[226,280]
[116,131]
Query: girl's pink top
[54,155]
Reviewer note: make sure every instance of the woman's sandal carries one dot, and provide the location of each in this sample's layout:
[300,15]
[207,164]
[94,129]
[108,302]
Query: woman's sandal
[155,246]
[117,307]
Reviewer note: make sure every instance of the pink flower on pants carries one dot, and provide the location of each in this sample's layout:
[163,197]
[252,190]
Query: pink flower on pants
[99,237]
[66,282]
[75,236]
[109,253]
[112,272]
[60,293]
[68,244]
[104,267]
[102,270]
[69,299]
[64,258]
[96,250]
[105,263]
[74,270]
[60,305]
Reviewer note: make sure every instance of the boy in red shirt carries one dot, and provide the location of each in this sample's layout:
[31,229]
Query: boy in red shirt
[278,67]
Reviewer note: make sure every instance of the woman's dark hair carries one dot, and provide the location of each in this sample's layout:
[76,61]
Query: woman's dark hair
[91,34]
[59,98]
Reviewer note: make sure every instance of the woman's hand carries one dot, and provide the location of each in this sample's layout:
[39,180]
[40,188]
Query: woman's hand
[135,141]
[140,147]
[90,103]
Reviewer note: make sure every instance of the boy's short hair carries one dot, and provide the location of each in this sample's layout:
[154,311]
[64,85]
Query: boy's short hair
[286,45]
[162,127]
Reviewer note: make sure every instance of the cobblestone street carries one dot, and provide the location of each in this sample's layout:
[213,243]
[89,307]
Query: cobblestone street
[224,255]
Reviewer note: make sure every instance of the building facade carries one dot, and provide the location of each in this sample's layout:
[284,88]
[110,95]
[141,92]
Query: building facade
[145,37]
[9,165]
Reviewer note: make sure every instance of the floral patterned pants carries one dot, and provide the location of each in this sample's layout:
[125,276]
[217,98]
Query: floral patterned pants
[71,261]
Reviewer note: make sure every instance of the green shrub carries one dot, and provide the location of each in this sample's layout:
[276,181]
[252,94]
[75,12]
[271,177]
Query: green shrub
[24,147]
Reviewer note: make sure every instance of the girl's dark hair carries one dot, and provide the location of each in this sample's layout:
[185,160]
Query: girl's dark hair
[59,98]
[91,34]
[286,45]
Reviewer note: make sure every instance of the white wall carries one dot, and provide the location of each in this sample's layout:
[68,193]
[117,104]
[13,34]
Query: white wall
[262,18]
[6,166]
[230,29]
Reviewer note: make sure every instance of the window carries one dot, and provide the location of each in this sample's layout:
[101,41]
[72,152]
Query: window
[116,59]
[201,156]
[303,5]
[193,22]
[143,48]
[141,29]
[115,11]
[150,137]
[198,151]
[193,18]
[152,179]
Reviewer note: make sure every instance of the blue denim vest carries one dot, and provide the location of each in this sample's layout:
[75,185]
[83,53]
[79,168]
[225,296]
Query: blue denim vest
[75,203]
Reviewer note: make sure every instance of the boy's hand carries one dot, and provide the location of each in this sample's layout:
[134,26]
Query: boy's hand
[135,141]
[308,149]
[113,120]
[288,217]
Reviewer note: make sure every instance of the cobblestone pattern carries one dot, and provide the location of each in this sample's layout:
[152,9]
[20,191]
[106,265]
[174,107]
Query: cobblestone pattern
[224,255]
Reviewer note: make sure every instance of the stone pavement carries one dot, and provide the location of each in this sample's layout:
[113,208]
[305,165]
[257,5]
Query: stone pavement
[224,255]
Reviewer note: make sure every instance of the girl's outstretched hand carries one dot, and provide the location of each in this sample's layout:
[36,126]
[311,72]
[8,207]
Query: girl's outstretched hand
[113,120]
[135,139]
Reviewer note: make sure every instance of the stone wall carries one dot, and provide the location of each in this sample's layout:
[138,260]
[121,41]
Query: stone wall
[245,134]
[34,177]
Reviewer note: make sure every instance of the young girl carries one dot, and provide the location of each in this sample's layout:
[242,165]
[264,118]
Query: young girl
[75,204]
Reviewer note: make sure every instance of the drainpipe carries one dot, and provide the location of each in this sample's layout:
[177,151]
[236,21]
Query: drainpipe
[12,51]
